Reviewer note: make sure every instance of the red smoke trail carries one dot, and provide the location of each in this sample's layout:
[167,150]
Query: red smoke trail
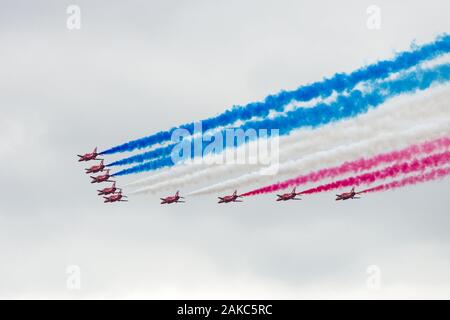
[388,172]
[357,165]
[432,175]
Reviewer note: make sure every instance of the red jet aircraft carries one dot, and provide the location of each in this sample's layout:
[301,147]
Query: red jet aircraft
[108,190]
[232,198]
[348,195]
[116,197]
[96,168]
[102,178]
[289,196]
[89,156]
[172,199]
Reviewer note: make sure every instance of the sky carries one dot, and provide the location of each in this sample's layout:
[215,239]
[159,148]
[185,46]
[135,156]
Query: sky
[137,67]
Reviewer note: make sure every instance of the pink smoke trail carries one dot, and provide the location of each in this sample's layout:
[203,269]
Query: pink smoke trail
[359,165]
[388,172]
[432,175]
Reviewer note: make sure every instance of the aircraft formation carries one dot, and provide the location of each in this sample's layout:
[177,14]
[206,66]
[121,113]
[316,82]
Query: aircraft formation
[114,194]
[110,194]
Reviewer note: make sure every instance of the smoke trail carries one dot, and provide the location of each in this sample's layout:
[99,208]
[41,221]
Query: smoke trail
[386,118]
[386,124]
[429,176]
[154,177]
[166,150]
[355,166]
[317,160]
[344,107]
[422,164]
[329,158]
[338,83]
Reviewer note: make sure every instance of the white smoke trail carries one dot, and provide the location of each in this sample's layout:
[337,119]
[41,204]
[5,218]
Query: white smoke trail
[387,118]
[188,167]
[371,147]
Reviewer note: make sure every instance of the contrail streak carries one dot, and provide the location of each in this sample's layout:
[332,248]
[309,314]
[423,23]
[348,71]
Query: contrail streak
[340,82]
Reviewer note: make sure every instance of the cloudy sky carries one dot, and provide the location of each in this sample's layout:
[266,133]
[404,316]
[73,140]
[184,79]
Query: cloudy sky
[136,67]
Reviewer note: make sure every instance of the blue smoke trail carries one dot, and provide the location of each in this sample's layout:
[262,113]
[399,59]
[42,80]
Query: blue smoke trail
[345,106]
[153,154]
[339,83]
